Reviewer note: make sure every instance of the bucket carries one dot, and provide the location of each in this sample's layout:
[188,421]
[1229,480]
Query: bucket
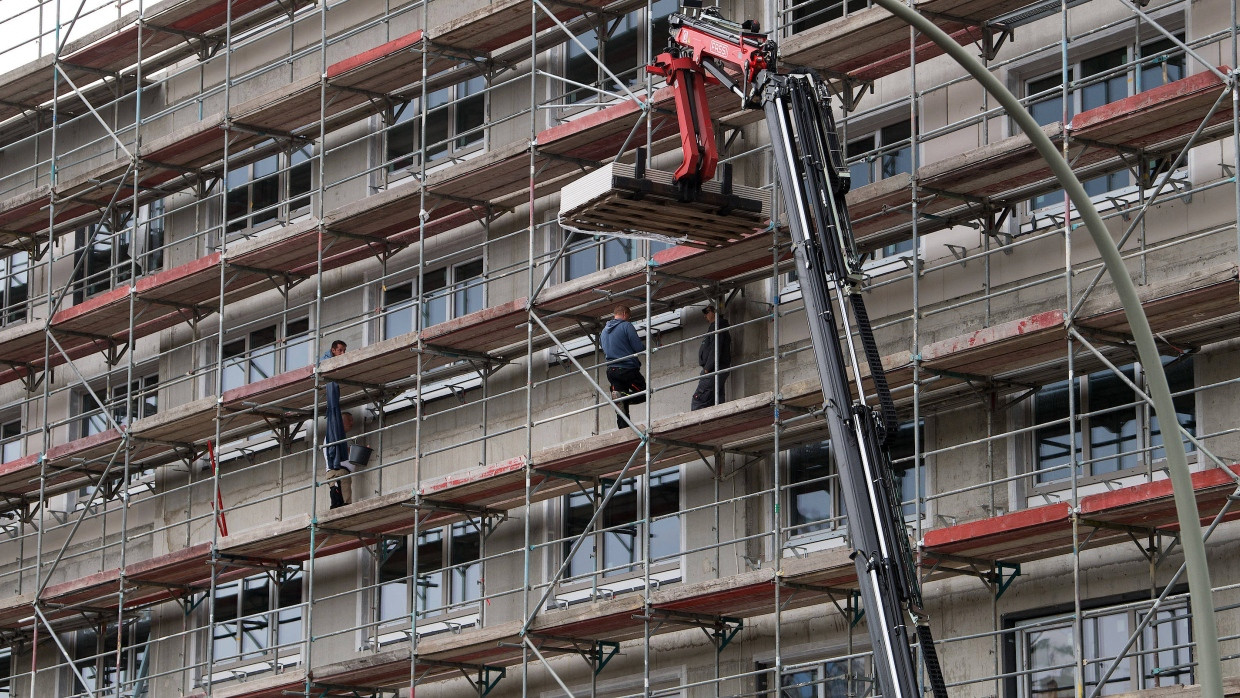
[359,455]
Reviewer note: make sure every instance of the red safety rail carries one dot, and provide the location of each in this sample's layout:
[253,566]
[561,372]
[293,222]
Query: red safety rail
[221,521]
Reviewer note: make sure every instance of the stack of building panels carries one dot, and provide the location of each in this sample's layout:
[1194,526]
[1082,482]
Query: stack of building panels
[612,199]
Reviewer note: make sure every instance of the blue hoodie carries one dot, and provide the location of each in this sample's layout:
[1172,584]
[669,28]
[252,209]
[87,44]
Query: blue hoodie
[620,340]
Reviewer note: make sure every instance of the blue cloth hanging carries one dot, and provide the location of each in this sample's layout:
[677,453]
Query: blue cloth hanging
[337,449]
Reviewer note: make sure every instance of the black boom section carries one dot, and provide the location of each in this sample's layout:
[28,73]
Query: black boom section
[814,181]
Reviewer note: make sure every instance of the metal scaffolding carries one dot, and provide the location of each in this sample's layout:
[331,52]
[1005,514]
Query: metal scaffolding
[199,198]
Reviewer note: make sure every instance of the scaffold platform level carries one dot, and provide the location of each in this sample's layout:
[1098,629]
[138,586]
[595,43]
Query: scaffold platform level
[167,31]
[618,618]
[871,43]
[1200,309]
[1158,121]
[1046,531]
[167,164]
[1188,311]
[66,605]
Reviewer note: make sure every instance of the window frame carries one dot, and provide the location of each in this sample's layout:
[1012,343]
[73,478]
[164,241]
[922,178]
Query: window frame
[579,100]
[119,233]
[835,523]
[95,662]
[460,291]
[280,173]
[1021,676]
[595,251]
[240,351]
[798,16]
[1153,49]
[12,442]
[583,578]
[459,581]
[1145,452]
[461,138]
[275,614]
[141,394]
[858,677]
[15,288]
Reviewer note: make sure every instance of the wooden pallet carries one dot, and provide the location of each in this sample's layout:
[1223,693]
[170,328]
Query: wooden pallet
[613,200]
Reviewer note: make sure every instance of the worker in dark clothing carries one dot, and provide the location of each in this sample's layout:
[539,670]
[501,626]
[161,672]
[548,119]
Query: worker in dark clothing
[715,354]
[621,346]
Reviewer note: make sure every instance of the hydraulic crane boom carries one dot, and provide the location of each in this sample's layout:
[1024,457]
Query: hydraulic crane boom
[813,182]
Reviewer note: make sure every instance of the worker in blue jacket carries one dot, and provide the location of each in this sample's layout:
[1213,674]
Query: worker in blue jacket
[621,346]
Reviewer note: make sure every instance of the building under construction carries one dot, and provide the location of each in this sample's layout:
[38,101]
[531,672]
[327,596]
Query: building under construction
[199,197]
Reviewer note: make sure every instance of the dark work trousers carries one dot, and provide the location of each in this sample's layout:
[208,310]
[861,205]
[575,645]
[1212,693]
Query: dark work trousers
[628,388]
[708,393]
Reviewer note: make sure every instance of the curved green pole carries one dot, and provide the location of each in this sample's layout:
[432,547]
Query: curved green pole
[1205,632]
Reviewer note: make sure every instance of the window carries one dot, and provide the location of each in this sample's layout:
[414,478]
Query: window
[587,254]
[449,574]
[256,615]
[95,657]
[615,546]
[450,292]
[10,440]
[14,288]
[111,253]
[139,399]
[804,14]
[276,186]
[839,678]
[814,500]
[265,352]
[6,672]
[1110,76]
[454,120]
[885,153]
[617,45]
[1040,649]
[1110,423]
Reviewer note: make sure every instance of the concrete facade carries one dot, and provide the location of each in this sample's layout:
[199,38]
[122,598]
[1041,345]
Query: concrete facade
[722,512]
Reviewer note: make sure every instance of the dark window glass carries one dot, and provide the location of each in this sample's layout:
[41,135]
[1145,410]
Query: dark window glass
[618,549]
[393,590]
[1108,436]
[811,503]
[811,13]
[14,288]
[467,278]
[397,310]
[10,441]
[471,112]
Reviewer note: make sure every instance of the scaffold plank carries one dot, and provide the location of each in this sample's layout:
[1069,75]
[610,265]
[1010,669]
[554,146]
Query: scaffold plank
[617,618]
[868,44]
[1009,171]
[1152,505]
[155,580]
[1045,531]
[162,34]
[1026,534]
[1195,309]
[1203,307]
[365,83]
